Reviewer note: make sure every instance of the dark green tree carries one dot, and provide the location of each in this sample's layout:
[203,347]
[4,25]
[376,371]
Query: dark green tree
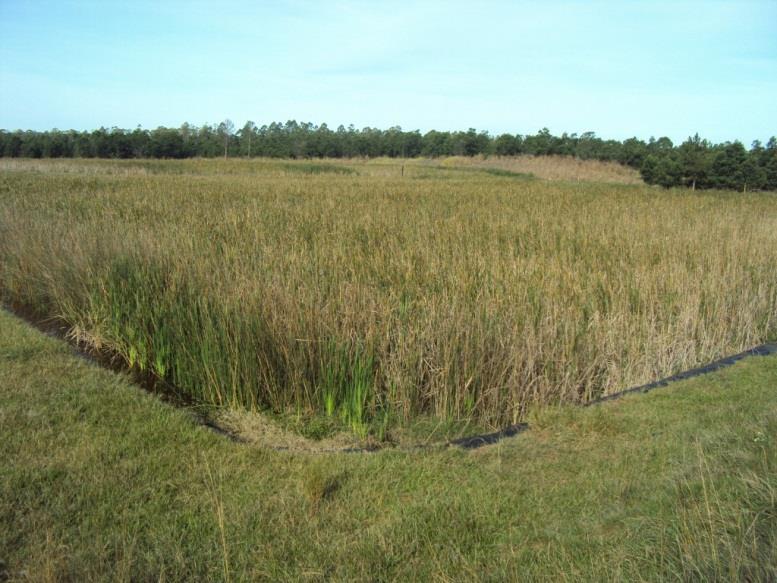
[728,167]
[767,160]
[633,152]
[507,145]
[696,160]
[247,135]
[663,170]
[225,130]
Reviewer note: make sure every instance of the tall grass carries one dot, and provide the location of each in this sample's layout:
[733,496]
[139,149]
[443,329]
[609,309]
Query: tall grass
[555,168]
[457,295]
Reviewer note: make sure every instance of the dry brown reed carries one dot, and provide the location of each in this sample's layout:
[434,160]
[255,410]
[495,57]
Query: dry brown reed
[455,293]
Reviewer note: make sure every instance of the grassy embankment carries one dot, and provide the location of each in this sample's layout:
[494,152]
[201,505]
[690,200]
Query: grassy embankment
[100,480]
[554,168]
[352,290]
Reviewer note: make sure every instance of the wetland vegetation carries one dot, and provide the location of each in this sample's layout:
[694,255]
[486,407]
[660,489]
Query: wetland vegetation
[375,292]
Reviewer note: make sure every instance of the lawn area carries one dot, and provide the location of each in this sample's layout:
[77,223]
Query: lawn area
[100,480]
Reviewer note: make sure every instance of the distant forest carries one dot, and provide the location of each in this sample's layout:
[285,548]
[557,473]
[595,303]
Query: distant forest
[696,163]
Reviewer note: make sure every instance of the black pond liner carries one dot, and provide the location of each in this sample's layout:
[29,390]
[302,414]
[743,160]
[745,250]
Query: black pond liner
[54,327]
[476,441]
[760,350]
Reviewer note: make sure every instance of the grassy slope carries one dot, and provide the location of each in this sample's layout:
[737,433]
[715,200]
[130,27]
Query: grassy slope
[101,480]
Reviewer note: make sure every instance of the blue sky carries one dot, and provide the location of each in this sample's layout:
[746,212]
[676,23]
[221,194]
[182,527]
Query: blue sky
[619,68]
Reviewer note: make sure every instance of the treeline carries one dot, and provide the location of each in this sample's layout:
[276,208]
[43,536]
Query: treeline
[696,163]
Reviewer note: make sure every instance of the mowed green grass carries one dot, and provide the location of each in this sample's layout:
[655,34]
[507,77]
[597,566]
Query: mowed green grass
[100,480]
